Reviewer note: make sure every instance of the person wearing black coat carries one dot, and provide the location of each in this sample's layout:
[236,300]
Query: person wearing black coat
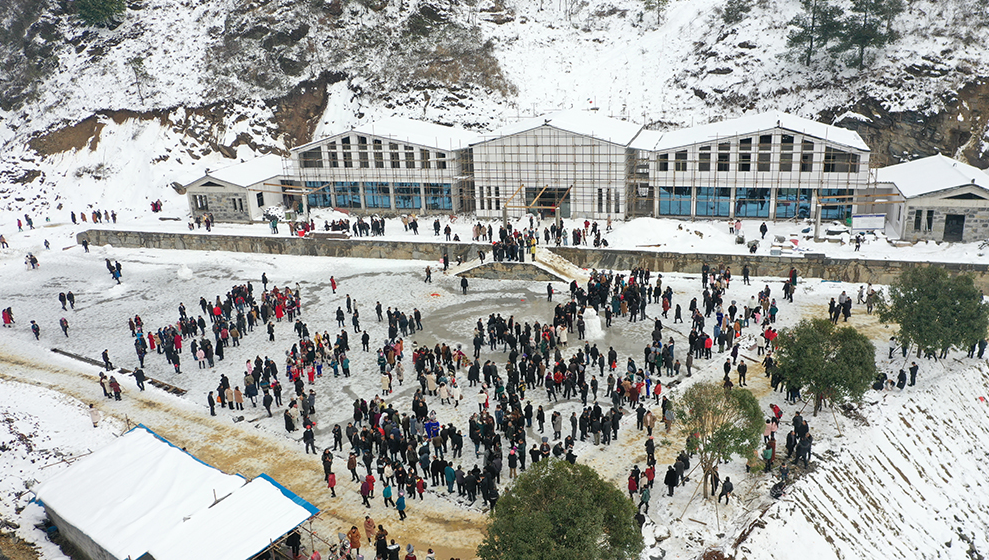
[726,490]
[671,479]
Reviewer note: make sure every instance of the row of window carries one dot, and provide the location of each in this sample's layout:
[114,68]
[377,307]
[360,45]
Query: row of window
[835,161]
[376,195]
[344,157]
[748,202]
[201,202]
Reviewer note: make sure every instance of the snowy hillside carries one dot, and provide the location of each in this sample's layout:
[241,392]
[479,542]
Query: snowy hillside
[179,83]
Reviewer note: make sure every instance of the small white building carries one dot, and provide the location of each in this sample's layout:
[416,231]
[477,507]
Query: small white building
[770,165]
[574,159]
[944,200]
[142,498]
[239,192]
[395,165]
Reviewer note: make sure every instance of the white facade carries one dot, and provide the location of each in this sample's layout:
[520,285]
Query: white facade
[771,166]
[240,192]
[573,158]
[395,165]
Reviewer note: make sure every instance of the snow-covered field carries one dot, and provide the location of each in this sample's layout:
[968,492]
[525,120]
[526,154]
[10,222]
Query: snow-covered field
[904,473]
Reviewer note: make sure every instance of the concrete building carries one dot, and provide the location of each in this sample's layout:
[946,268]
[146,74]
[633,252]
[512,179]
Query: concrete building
[771,165]
[943,200]
[574,159]
[396,165]
[240,192]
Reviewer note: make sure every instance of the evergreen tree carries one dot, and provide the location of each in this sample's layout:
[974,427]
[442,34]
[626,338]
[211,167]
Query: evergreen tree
[869,25]
[721,423]
[820,24]
[560,511]
[735,11]
[100,12]
[934,310]
[833,363]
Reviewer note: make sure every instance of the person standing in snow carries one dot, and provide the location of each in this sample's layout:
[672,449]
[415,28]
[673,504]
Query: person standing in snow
[106,360]
[94,415]
[726,490]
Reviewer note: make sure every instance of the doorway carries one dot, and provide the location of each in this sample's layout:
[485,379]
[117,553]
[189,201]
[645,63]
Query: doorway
[954,227]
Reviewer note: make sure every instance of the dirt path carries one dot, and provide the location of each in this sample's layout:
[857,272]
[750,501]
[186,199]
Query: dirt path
[16,549]
[240,448]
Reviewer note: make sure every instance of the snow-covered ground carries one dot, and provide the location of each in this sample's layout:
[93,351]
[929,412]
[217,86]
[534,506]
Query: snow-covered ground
[876,485]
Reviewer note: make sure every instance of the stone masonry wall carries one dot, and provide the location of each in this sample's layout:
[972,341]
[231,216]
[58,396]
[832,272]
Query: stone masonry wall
[808,265]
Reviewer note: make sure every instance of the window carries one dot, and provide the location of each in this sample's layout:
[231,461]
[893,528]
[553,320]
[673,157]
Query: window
[807,157]
[838,161]
[319,196]
[600,201]
[440,160]
[238,204]
[918,215]
[312,158]
[424,156]
[745,162]
[832,207]
[929,225]
[410,157]
[713,201]
[704,159]
[394,155]
[260,199]
[745,145]
[201,201]
[664,162]
[751,202]
[786,162]
[362,150]
[348,156]
[765,161]
[334,157]
[348,195]
[793,203]
[674,201]
[680,163]
[377,195]
[497,198]
[766,143]
[618,203]
[724,157]
[439,196]
[408,197]
[786,153]
[379,156]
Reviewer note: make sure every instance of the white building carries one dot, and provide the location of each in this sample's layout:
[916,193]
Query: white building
[771,165]
[572,158]
[393,165]
[239,192]
[943,200]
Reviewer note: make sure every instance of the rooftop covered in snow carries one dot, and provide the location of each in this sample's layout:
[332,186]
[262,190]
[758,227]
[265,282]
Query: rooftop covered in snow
[931,174]
[411,131]
[251,171]
[585,123]
[750,124]
[142,494]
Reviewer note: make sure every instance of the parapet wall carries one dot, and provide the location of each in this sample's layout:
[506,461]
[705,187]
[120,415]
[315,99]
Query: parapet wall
[807,265]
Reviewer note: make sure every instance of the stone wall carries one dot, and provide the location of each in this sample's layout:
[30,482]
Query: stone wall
[808,265]
[512,271]
[976,223]
[360,247]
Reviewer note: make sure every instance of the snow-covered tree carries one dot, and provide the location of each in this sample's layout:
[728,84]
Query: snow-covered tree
[815,28]
[100,12]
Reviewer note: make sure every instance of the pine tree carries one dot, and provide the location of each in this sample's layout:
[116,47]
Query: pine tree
[935,311]
[820,24]
[735,11]
[869,25]
[100,12]
[832,363]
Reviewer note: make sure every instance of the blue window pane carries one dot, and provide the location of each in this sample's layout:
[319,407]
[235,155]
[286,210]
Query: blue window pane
[407,196]
[377,195]
[674,201]
[751,203]
[793,203]
[348,194]
[439,196]
[713,201]
[322,198]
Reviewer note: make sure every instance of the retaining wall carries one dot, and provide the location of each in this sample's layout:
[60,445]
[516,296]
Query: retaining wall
[808,265]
